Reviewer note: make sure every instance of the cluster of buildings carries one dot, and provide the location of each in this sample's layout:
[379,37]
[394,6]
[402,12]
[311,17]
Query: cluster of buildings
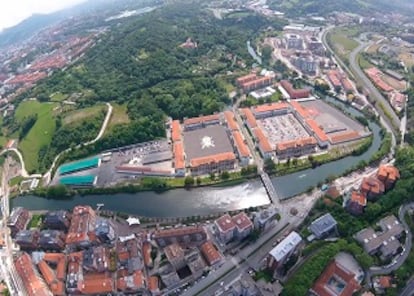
[395,97]
[294,129]
[340,81]
[231,228]
[371,189]
[80,253]
[383,243]
[253,81]
[206,144]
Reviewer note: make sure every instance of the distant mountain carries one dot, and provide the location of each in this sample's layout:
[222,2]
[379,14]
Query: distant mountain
[324,7]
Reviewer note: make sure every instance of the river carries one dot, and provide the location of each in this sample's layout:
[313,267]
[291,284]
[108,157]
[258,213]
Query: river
[207,200]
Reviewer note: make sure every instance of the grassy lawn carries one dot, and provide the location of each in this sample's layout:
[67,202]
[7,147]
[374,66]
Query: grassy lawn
[16,180]
[342,41]
[40,134]
[58,97]
[35,222]
[363,63]
[119,115]
[81,114]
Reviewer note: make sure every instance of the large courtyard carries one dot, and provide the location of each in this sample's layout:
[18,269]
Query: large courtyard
[282,128]
[208,141]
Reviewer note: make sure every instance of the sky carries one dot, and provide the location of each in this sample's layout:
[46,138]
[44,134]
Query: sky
[13,12]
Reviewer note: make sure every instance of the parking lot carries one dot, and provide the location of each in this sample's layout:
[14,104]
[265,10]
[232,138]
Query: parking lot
[282,128]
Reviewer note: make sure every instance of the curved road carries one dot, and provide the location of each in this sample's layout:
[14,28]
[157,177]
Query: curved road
[379,270]
[360,75]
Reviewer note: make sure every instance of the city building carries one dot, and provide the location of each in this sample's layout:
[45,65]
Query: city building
[252,82]
[306,64]
[279,254]
[185,236]
[265,219]
[52,240]
[372,188]
[175,255]
[292,92]
[18,219]
[245,286]
[388,175]
[32,282]
[52,267]
[96,259]
[355,202]
[104,230]
[154,285]
[81,232]
[244,225]
[296,148]
[131,284]
[293,41]
[27,240]
[336,280]
[59,220]
[226,228]
[210,253]
[384,242]
[97,284]
[169,276]
[146,253]
[195,263]
[376,76]
[323,226]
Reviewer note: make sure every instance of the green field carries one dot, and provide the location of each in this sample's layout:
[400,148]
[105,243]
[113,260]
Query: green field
[342,40]
[364,63]
[58,97]
[40,134]
[119,115]
[82,114]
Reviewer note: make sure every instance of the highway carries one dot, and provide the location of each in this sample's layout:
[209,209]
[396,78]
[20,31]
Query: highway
[7,267]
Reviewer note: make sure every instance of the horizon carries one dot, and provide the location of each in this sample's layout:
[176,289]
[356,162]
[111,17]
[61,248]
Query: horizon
[14,12]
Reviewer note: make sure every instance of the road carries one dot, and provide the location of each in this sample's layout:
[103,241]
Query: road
[394,121]
[7,267]
[379,270]
[252,255]
[48,175]
[409,289]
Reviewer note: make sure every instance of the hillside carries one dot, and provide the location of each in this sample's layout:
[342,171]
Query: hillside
[141,64]
[302,7]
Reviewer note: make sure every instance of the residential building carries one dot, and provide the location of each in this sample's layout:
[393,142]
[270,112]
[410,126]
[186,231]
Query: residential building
[388,175]
[372,188]
[306,64]
[226,228]
[292,92]
[28,239]
[169,276]
[97,284]
[104,230]
[279,254]
[53,278]
[215,163]
[244,225]
[195,263]
[384,242]
[296,148]
[96,259]
[154,285]
[52,240]
[132,284]
[323,226]
[245,286]
[336,280]
[192,235]
[32,282]
[210,253]
[82,227]
[175,255]
[265,219]
[59,220]
[74,275]
[355,202]
[294,41]
[263,144]
[18,219]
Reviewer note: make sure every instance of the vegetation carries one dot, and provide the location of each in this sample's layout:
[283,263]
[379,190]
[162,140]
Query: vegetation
[342,42]
[303,279]
[35,221]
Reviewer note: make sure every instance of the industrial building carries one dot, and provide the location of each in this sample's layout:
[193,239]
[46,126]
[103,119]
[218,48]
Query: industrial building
[80,165]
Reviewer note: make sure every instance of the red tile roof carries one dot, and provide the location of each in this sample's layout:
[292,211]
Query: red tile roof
[230,120]
[294,93]
[263,141]
[375,75]
[281,146]
[338,272]
[358,198]
[241,145]
[225,223]
[345,137]
[175,131]
[210,253]
[242,221]
[146,253]
[96,284]
[246,78]
[179,155]
[300,109]
[388,173]
[372,185]
[83,220]
[270,107]
[32,282]
[153,284]
[217,158]
[317,130]
[250,117]
[201,119]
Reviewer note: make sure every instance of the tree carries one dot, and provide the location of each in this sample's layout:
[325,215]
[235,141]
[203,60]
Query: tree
[198,181]
[267,54]
[295,162]
[269,165]
[225,175]
[188,181]
[212,176]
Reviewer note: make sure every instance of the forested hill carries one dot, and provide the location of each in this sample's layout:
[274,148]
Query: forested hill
[140,63]
[324,7]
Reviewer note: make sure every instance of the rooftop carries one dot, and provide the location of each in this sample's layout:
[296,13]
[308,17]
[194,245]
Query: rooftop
[323,224]
[231,122]
[210,253]
[262,139]
[79,165]
[225,223]
[173,251]
[175,131]
[388,172]
[287,245]
[242,221]
[359,198]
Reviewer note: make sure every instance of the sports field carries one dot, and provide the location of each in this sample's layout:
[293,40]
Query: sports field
[40,134]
